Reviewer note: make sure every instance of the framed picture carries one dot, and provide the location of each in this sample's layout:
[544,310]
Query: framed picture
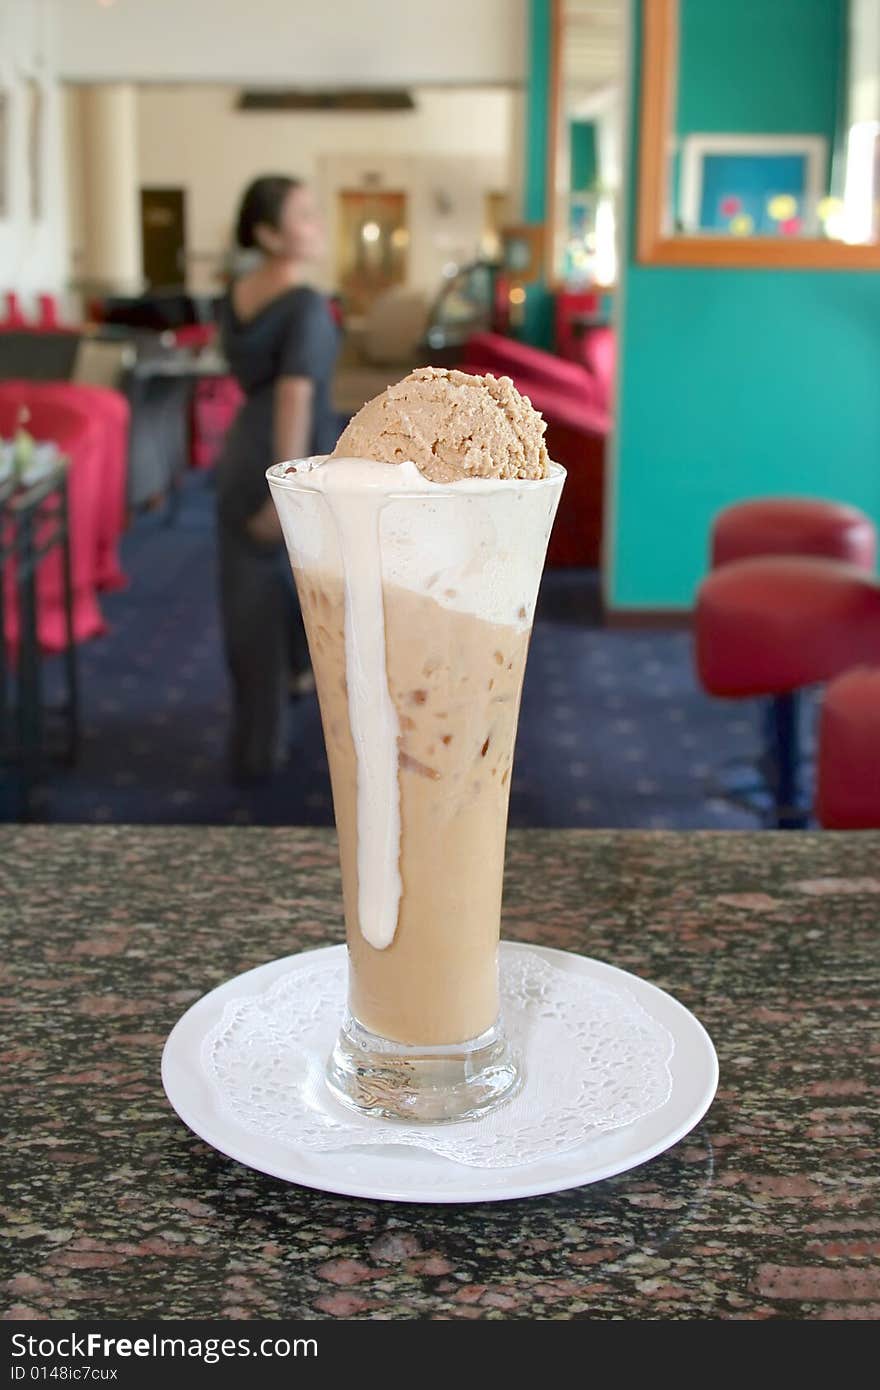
[753,185]
[523,251]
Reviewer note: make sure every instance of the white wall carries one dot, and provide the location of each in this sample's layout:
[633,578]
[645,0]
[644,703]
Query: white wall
[33,253]
[859,221]
[363,42]
[456,143]
[864,61]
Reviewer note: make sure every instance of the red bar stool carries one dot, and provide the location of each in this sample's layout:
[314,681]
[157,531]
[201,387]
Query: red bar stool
[771,627]
[785,526]
[848,780]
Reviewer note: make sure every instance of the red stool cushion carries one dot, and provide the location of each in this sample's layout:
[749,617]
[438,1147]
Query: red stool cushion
[794,526]
[848,780]
[765,627]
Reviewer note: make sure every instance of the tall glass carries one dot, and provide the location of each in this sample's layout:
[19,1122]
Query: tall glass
[419,710]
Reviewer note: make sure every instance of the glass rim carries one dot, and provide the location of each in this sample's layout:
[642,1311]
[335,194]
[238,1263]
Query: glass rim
[462,487]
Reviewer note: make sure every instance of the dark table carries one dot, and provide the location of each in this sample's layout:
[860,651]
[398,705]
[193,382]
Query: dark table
[34,520]
[769,1209]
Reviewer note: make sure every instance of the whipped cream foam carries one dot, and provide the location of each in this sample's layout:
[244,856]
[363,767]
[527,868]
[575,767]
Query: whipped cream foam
[474,545]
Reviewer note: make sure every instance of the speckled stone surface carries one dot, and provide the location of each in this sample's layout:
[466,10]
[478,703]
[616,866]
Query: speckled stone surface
[112,1208]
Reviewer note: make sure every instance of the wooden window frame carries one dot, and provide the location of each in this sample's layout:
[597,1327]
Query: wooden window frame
[660,27]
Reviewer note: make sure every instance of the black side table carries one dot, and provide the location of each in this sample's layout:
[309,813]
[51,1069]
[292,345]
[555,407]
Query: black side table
[34,520]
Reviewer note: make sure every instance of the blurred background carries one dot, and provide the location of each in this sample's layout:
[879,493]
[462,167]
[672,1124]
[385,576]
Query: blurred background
[660,218]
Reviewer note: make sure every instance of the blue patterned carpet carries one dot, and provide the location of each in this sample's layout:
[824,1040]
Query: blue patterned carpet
[614,730]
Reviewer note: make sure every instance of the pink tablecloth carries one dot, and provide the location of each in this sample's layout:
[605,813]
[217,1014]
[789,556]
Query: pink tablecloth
[89,425]
[110,410]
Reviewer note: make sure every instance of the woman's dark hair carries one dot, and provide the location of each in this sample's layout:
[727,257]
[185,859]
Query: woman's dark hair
[262,202]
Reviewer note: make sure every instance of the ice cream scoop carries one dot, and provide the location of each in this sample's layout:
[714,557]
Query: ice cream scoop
[451,425]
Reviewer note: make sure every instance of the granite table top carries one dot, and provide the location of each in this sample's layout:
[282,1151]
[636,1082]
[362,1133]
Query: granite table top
[112,1208]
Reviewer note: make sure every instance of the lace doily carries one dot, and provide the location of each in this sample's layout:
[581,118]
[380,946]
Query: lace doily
[594,1060]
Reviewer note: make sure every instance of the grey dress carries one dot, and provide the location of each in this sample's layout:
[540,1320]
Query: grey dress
[293,335]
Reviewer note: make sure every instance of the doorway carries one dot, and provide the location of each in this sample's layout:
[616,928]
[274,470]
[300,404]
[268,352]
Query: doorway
[372,247]
[163,234]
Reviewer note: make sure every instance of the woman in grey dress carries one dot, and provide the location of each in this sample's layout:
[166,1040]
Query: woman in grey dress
[281,343]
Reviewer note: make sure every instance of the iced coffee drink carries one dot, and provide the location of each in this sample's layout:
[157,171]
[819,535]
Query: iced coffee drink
[417,549]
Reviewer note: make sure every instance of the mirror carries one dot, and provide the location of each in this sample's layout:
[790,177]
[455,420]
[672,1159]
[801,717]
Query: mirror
[586,141]
[760,133]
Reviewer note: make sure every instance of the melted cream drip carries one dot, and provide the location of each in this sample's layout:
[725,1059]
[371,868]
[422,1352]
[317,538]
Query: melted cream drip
[356,491]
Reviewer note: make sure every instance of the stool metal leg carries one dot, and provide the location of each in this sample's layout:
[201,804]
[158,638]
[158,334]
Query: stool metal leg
[70,656]
[30,731]
[784,761]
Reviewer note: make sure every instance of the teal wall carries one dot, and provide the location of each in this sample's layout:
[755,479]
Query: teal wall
[760,66]
[583,162]
[793,55]
[538,321]
[733,384]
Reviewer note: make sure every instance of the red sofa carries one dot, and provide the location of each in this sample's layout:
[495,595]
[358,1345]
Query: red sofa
[574,404]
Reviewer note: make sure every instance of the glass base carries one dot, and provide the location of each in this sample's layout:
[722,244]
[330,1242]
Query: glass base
[427,1085]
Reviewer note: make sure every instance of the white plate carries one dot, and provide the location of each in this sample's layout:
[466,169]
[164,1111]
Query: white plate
[395,1174]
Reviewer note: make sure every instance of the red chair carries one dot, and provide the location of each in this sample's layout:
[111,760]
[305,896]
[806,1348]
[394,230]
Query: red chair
[48,319]
[214,404]
[194,335]
[13,317]
[80,437]
[848,780]
[772,626]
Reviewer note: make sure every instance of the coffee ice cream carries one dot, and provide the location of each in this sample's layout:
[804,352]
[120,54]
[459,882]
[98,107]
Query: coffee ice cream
[451,425]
